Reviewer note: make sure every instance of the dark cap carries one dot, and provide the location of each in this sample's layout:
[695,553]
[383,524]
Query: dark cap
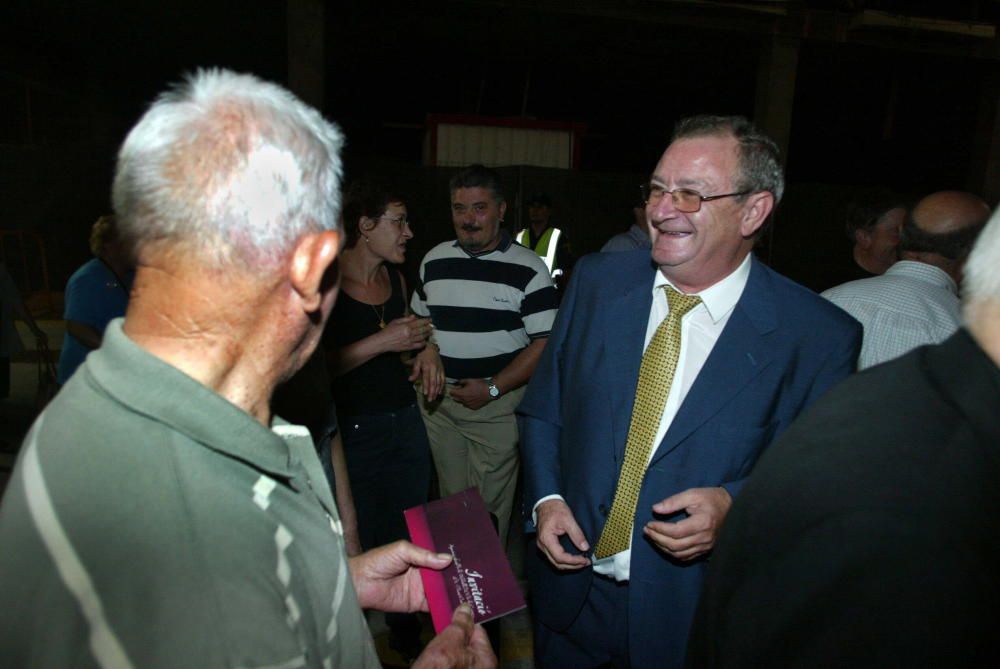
[539,198]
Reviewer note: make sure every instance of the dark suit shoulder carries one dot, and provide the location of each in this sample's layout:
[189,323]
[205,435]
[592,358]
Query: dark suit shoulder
[614,270]
[807,307]
[638,259]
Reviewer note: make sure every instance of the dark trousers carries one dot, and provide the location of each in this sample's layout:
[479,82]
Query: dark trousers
[389,465]
[597,638]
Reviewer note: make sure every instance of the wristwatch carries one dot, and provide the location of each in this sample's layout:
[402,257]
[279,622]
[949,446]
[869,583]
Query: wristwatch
[492,387]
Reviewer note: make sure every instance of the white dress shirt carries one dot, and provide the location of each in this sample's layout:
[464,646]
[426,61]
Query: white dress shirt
[700,329]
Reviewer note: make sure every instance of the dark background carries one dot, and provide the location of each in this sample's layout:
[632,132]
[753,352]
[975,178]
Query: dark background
[907,108]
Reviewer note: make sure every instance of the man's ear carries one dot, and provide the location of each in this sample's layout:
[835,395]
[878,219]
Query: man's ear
[863,238]
[503,209]
[313,255]
[756,210]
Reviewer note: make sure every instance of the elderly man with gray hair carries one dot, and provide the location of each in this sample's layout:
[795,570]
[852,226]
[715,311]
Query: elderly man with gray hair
[868,534]
[159,514]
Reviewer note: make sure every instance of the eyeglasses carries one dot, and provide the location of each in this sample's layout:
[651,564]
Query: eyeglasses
[685,200]
[400,222]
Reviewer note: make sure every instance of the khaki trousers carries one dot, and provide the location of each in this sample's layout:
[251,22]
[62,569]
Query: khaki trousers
[477,448]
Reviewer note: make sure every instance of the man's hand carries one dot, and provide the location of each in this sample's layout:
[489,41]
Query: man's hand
[460,644]
[554,520]
[405,334]
[471,393]
[427,368]
[386,578]
[696,534]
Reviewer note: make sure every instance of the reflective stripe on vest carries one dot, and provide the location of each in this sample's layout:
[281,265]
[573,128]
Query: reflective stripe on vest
[545,247]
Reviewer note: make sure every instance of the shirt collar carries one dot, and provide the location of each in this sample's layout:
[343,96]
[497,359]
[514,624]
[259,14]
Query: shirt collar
[505,241]
[925,272]
[154,388]
[721,297]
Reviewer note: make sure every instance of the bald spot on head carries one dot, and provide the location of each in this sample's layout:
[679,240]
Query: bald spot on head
[949,211]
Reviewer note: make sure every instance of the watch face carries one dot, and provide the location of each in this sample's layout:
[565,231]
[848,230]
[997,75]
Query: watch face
[494,391]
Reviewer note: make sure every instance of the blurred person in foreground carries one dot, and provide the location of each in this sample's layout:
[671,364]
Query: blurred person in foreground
[159,514]
[370,330]
[96,294]
[868,535]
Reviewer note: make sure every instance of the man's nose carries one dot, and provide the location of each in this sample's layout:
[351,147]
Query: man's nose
[661,210]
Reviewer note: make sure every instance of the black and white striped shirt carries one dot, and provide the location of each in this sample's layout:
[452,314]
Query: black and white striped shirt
[486,308]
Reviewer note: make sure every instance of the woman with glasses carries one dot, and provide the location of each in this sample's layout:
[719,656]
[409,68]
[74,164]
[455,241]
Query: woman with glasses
[367,338]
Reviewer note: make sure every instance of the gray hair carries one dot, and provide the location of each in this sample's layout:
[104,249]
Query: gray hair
[981,280]
[233,166]
[760,160]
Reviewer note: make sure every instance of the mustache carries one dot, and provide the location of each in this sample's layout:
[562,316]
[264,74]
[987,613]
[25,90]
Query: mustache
[471,227]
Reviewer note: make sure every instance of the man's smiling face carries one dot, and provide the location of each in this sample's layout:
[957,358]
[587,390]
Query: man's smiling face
[697,249]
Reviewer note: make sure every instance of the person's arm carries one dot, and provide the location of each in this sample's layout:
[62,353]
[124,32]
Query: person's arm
[407,333]
[345,500]
[475,393]
[85,334]
[429,371]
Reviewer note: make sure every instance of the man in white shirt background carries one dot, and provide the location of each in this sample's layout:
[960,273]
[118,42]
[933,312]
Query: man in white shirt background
[915,302]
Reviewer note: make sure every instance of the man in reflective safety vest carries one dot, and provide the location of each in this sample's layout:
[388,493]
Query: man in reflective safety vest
[550,243]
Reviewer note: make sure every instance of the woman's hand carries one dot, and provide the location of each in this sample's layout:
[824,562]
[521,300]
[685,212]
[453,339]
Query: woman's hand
[429,372]
[405,334]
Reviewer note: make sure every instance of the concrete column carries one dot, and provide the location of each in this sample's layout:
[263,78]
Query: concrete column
[306,62]
[776,89]
[984,170]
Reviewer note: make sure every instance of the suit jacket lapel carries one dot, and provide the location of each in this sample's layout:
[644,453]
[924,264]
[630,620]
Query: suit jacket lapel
[739,355]
[625,337]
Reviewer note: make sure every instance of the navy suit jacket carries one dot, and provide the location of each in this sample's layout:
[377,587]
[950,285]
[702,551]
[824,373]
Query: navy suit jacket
[782,348]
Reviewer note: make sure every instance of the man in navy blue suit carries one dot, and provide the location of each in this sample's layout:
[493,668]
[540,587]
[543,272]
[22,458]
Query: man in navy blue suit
[752,352]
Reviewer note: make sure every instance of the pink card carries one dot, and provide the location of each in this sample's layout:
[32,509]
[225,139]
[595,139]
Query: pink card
[479,573]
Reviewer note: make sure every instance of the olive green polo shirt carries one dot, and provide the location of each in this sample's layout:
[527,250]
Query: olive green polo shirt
[151,523]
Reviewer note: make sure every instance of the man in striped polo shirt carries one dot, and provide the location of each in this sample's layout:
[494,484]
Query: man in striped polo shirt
[492,303]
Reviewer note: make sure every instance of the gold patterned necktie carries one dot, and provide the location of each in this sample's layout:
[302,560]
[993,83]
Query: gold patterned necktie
[655,376]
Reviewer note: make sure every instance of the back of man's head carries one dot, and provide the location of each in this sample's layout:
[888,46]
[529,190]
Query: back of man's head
[477,176]
[942,227]
[228,167]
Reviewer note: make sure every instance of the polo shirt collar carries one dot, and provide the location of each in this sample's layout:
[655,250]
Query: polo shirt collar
[147,385]
[721,297]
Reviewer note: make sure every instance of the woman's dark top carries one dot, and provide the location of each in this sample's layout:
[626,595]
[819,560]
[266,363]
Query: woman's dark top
[380,384]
